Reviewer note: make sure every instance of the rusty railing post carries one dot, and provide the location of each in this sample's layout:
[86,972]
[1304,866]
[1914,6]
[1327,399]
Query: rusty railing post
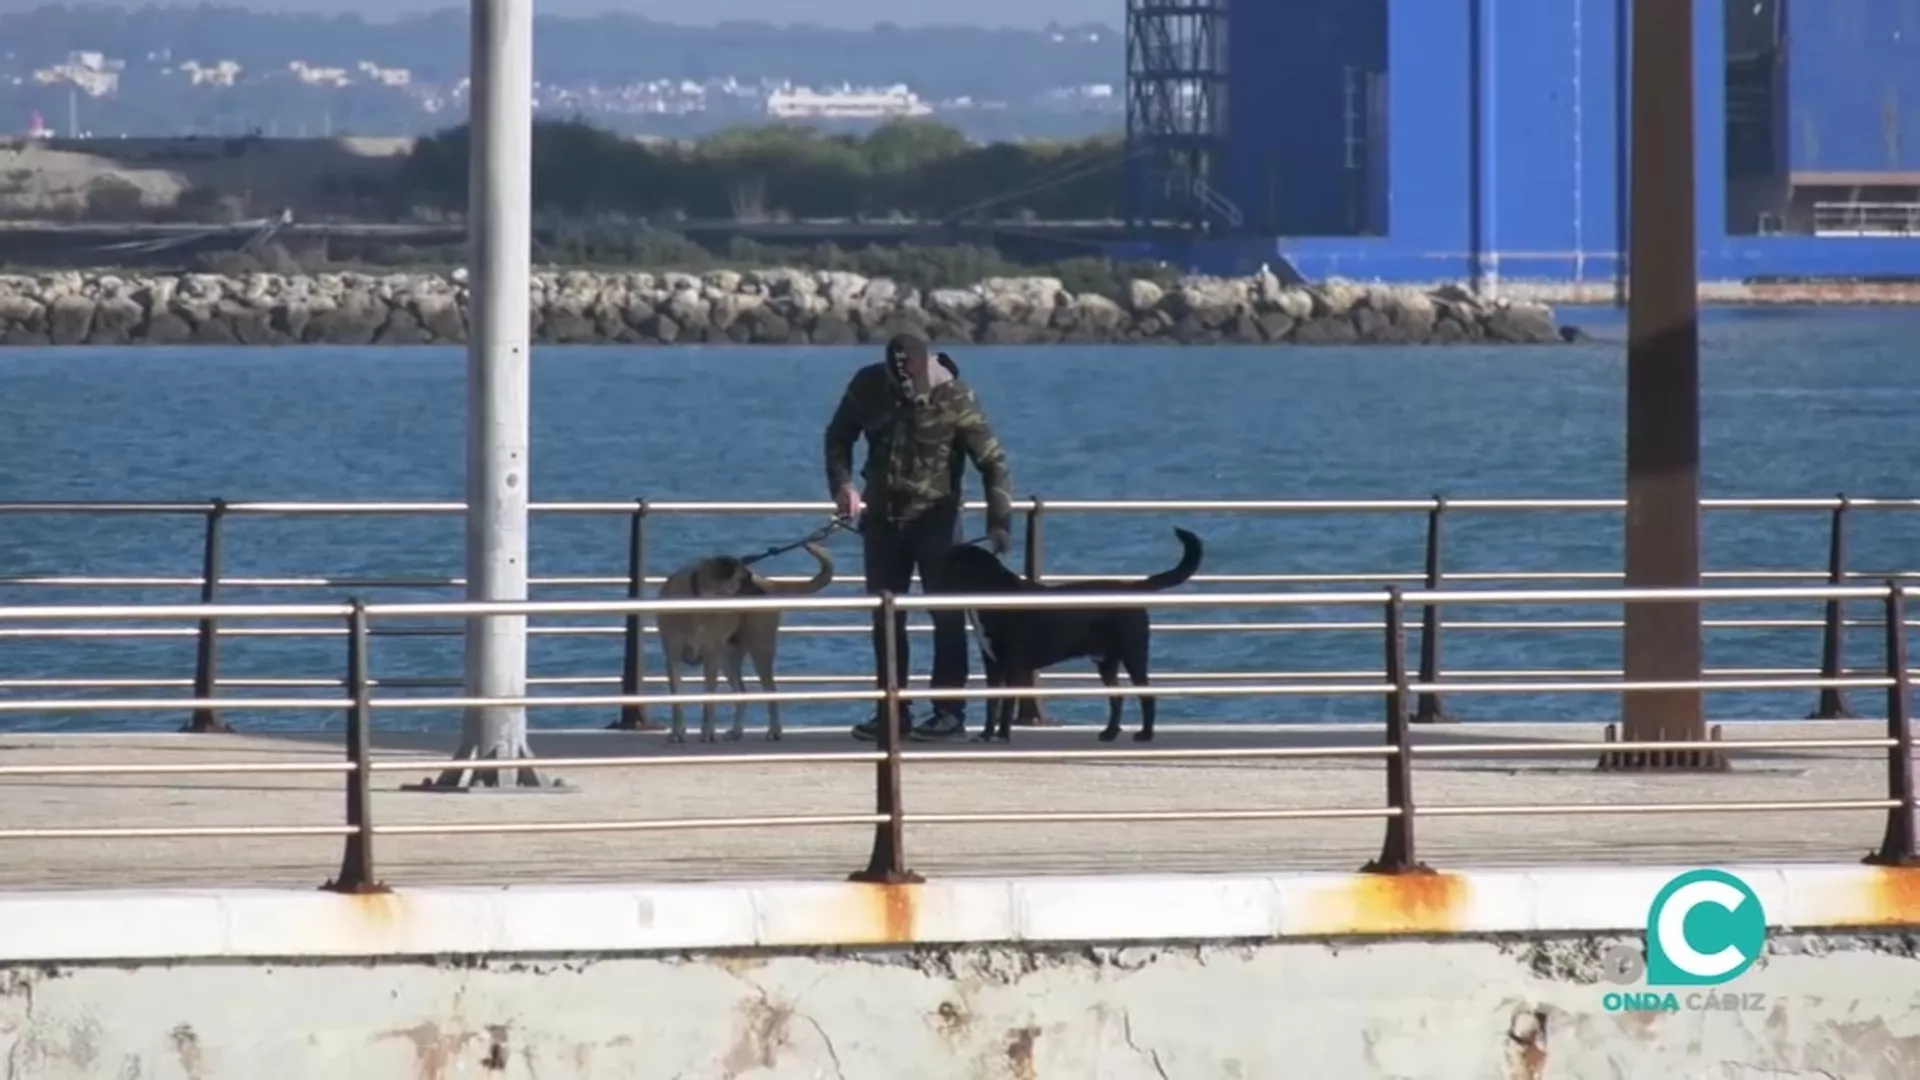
[206,663]
[356,861]
[633,667]
[1430,709]
[887,865]
[1397,852]
[1035,560]
[1898,845]
[1832,704]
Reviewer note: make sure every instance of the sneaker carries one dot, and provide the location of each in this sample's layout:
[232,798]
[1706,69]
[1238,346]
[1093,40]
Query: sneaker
[869,731]
[941,727]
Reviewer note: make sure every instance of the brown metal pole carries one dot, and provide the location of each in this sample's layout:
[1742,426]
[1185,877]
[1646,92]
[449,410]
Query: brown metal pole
[1035,556]
[356,861]
[887,864]
[633,667]
[1662,640]
[206,668]
[1900,846]
[1398,854]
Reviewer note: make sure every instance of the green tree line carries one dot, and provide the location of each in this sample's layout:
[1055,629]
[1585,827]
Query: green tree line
[912,169]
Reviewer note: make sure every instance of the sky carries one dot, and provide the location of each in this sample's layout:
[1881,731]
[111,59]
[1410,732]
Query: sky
[844,13]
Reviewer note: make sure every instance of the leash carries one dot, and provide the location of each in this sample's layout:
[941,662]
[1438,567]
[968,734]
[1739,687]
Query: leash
[840,522]
[832,526]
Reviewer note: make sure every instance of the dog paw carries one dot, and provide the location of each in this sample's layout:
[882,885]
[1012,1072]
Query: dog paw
[1143,736]
[1109,734]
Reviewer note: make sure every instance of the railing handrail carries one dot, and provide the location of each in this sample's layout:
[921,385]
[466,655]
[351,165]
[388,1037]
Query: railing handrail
[948,602]
[822,506]
[1396,686]
[637,582]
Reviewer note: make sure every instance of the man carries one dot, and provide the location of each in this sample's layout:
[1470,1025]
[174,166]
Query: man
[920,422]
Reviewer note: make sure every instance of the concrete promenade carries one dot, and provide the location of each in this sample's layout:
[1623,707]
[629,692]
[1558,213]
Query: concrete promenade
[950,787]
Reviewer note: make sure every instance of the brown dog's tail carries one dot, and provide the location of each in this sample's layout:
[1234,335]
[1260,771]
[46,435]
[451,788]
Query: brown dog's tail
[1189,564]
[821,578]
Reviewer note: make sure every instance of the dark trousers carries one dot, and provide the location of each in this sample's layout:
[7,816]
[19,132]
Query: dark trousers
[893,551]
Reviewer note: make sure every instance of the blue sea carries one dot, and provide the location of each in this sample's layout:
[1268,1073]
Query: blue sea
[1797,403]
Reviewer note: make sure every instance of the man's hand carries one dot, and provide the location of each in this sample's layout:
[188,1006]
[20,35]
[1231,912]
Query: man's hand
[999,540]
[849,503]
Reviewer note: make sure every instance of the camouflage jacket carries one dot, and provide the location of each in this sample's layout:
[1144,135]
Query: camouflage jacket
[911,461]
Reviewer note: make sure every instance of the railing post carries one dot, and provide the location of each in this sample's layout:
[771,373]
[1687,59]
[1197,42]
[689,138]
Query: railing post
[1397,853]
[887,865]
[206,664]
[1036,537]
[1898,845]
[633,668]
[1832,704]
[1035,559]
[1430,709]
[356,861]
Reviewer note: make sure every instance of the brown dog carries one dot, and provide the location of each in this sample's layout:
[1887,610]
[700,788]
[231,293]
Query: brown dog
[719,641]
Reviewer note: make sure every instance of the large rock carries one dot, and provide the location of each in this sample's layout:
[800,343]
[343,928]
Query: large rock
[566,322]
[70,319]
[1521,323]
[249,325]
[442,316]
[117,321]
[762,306]
[354,322]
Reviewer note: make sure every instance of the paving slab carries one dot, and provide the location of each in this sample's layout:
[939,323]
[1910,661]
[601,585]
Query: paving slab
[939,781]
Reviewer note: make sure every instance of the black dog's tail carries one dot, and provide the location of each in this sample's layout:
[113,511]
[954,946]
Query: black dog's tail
[1188,566]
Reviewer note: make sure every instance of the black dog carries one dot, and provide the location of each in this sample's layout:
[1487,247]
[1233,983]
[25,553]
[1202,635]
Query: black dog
[1016,645]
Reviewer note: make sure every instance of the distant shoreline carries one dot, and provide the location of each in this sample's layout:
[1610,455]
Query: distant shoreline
[757,307]
[1728,294]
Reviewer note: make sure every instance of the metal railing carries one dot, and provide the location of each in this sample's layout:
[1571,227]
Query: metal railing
[1866,219]
[212,581]
[889,815]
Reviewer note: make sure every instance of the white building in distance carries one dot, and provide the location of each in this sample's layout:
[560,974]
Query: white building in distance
[845,103]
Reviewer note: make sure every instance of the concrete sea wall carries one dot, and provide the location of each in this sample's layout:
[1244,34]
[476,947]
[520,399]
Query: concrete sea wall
[1474,976]
[774,307]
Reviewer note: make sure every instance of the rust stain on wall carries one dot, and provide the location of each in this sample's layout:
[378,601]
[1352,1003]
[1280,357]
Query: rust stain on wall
[1020,1053]
[1526,1049]
[1892,897]
[434,1051]
[376,914]
[887,914]
[1389,904]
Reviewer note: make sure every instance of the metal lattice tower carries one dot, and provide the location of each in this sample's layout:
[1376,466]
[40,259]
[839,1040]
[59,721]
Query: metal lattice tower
[1177,123]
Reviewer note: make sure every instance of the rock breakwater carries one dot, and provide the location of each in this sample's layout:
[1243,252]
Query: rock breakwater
[772,307]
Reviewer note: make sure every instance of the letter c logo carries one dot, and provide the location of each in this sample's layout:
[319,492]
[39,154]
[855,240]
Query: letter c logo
[1704,928]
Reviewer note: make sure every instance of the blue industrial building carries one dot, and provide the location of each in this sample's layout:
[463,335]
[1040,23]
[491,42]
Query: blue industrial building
[1483,141]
